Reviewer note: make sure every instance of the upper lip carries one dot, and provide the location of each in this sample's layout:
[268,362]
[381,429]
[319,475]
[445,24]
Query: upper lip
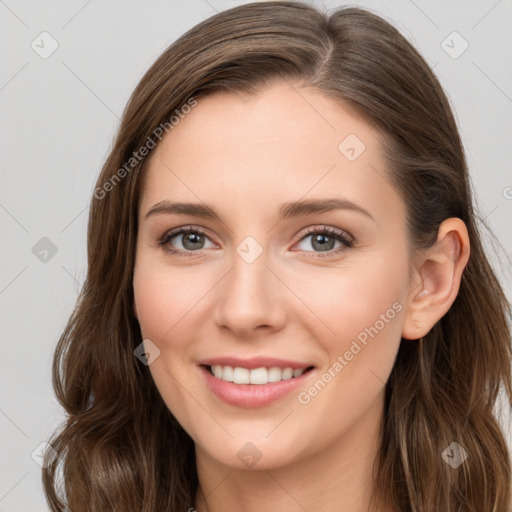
[254,362]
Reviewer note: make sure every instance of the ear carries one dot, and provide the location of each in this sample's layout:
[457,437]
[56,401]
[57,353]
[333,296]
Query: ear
[435,281]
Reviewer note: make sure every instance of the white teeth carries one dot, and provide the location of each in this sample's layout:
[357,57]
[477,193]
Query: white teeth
[287,374]
[240,375]
[258,376]
[261,375]
[227,373]
[275,374]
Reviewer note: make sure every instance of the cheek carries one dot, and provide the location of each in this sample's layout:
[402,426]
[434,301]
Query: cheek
[164,298]
[363,308]
[363,311]
[171,306]
[165,306]
[363,295]
[371,306]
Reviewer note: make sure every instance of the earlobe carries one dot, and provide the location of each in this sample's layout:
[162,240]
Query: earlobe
[436,280]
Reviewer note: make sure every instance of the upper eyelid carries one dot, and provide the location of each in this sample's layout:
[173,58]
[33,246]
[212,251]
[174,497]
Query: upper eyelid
[183,230]
[331,230]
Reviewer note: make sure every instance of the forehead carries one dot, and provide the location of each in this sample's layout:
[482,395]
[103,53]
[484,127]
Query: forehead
[279,145]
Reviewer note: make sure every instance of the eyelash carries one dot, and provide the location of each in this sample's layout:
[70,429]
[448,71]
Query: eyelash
[335,233]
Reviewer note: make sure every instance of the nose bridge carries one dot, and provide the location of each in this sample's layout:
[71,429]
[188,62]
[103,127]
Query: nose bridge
[250,294]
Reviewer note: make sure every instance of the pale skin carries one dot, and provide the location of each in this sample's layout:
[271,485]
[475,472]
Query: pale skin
[245,157]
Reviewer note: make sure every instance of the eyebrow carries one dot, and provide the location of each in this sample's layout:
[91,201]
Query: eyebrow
[287,210]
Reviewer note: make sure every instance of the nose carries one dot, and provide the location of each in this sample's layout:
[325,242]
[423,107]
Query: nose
[251,299]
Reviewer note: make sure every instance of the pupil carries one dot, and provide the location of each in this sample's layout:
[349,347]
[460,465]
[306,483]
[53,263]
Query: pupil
[193,239]
[324,245]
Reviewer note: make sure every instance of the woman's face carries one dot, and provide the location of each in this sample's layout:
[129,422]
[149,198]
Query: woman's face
[252,290]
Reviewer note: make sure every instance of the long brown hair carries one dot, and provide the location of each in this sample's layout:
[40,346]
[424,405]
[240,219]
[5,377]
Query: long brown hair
[120,447]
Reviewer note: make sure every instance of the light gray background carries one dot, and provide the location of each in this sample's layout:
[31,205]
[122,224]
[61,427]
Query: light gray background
[58,117]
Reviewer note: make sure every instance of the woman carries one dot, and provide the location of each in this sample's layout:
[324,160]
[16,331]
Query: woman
[287,305]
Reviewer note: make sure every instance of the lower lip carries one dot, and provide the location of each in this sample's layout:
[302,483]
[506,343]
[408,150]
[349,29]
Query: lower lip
[251,395]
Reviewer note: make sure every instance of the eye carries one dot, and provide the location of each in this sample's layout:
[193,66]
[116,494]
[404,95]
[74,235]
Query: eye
[323,240]
[191,239]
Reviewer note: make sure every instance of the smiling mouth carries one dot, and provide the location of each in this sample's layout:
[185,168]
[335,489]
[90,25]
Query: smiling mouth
[258,376]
